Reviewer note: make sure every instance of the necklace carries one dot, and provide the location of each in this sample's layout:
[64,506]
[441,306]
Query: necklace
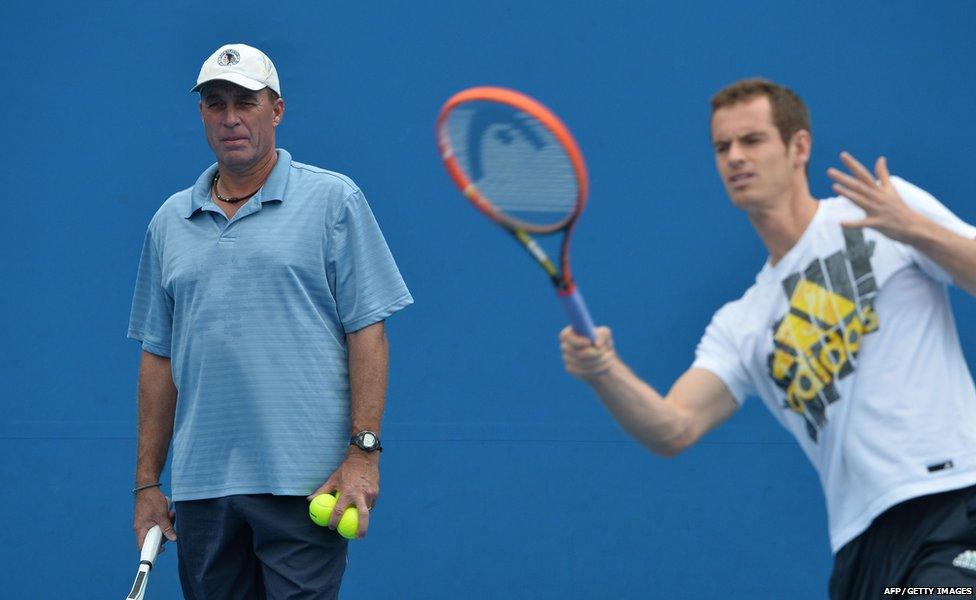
[231,199]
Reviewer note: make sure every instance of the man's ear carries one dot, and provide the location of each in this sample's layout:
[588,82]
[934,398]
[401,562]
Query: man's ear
[801,144]
[279,110]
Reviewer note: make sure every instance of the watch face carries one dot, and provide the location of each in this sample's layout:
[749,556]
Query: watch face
[369,440]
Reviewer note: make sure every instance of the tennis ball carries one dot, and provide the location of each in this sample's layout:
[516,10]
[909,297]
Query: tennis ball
[349,523]
[320,511]
[320,508]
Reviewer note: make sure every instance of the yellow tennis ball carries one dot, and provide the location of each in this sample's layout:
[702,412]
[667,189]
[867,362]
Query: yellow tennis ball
[320,511]
[349,523]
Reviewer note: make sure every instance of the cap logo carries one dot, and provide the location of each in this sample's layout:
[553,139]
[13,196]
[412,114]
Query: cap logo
[228,57]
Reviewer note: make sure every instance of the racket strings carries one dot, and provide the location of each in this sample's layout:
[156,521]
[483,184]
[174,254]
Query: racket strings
[514,161]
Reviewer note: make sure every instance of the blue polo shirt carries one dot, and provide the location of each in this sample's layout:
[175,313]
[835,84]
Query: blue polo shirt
[253,313]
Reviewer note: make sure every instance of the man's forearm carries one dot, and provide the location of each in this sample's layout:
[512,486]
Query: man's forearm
[368,364]
[641,410]
[951,251]
[157,410]
[358,477]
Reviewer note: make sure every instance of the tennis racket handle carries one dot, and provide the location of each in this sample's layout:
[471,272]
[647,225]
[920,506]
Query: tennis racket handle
[579,315]
[150,547]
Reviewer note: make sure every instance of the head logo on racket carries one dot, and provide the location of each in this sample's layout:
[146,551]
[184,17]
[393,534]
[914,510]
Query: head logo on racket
[520,166]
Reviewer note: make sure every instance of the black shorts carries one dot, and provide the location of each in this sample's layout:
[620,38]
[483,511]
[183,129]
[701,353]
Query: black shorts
[922,548]
[256,547]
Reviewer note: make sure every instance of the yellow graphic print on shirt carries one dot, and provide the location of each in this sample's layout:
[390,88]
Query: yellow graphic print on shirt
[817,341]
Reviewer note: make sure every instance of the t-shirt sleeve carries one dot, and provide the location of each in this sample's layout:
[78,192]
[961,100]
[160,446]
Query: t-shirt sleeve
[368,285]
[718,352]
[151,316]
[924,203]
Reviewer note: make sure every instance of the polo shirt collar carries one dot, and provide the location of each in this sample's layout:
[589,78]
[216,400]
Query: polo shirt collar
[272,190]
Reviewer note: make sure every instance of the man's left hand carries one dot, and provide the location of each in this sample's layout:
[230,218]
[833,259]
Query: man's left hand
[357,480]
[886,211]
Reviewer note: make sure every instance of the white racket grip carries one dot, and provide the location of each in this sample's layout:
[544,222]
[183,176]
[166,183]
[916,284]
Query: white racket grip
[150,547]
[579,315]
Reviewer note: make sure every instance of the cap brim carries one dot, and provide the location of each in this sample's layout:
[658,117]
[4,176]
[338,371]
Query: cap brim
[235,78]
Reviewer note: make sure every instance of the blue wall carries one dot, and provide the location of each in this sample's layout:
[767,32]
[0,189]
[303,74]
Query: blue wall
[503,477]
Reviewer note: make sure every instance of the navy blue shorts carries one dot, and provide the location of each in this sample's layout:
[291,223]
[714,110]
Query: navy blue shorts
[256,547]
[924,547]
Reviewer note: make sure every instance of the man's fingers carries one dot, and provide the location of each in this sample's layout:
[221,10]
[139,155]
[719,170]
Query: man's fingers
[855,167]
[852,184]
[855,197]
[169,532]
[841,177]
[149,513]
[591,365]
[166,525]
[581,357]
[573,339]
[360,504]
[857,224]
[326,488]
[354,497]
[363,522]
[346,499]
[604,337]
[881,168]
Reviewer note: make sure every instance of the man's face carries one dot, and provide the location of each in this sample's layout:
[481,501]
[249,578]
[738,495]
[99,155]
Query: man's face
[756,167]
[240,124]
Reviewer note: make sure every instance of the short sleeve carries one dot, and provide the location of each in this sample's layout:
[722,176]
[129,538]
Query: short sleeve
[718,352]
[151,316]
[368,285]
[924,203]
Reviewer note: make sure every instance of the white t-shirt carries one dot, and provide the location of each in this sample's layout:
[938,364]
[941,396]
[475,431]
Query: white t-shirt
[850,342]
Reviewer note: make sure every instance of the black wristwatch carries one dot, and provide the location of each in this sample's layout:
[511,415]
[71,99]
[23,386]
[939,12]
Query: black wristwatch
[367,441]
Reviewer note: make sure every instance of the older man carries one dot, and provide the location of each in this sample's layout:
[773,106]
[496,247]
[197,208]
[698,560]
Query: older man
[260,304]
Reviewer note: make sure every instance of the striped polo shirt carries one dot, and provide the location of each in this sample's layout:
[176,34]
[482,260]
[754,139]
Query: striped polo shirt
[253,313]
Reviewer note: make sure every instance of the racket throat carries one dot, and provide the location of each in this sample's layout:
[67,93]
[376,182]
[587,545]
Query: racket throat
[540,256]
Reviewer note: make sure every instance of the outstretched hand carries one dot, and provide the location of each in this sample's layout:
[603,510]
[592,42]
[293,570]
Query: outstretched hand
[886,211]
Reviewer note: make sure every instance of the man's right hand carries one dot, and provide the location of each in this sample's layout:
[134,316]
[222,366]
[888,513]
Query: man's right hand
[152,508]
[584,359]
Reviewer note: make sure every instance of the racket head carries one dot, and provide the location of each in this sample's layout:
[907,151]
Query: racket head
[513,159]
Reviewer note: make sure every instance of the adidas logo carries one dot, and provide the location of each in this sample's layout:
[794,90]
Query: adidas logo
[966,560]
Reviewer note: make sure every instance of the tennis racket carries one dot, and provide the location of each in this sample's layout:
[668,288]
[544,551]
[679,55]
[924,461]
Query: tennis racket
[150,548]
[520,166]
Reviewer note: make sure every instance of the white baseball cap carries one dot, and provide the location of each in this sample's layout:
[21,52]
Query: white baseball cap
[241,64]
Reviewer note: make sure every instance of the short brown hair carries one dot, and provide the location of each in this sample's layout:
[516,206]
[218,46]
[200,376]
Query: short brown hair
[790,114]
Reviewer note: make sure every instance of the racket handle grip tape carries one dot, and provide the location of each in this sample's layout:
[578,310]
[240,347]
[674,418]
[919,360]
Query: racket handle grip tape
[579,315]
[150,547]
